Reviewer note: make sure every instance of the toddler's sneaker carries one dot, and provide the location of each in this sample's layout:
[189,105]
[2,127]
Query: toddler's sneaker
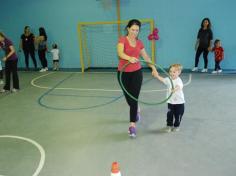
[132,132]
[167,129]
[195,69]
[175,129]
[204,70]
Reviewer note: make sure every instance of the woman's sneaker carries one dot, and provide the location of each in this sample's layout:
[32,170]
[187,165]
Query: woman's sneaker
[1,82]
[132,132]
[4,91]
[204,70]
[214,72]
[42,70]
[195,69]
[14,90]
[219,71]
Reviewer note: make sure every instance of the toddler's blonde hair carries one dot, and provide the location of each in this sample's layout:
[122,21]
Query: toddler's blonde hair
[178,67]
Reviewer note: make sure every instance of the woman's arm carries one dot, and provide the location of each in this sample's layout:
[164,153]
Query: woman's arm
[210,44]
[148,60]
[21,45]
[196,44]
[12,51]
[121,54]
[159,77]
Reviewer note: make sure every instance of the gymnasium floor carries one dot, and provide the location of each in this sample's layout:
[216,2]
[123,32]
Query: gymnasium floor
[73,124]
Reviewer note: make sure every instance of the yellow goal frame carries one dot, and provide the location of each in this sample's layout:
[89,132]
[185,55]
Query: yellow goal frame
[82,41]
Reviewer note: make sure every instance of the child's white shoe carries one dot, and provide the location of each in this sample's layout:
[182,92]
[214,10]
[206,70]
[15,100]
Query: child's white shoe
[166,129]
[175,129]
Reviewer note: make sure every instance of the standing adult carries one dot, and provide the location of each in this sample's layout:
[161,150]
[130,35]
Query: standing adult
[129,49]
[27,44]
[203,43]
[41,41]
[10,60]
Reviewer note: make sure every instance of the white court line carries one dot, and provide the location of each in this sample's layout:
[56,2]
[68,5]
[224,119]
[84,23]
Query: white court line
[39,147]
[101,90]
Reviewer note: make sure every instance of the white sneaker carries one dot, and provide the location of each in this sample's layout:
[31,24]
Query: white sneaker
[42,70]
[219,71]
[195,69]
[167,129]
[175,129]
[14,90]
[204,70]
[214,72]
[1,82]
[4,91]
[46,68]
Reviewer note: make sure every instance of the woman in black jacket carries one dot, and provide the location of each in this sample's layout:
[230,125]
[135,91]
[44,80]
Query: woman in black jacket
[203,44]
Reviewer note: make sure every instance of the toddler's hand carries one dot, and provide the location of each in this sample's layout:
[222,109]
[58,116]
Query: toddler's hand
[155,73]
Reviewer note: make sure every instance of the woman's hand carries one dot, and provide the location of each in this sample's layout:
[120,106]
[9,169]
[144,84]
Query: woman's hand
[4,59]
[133,60]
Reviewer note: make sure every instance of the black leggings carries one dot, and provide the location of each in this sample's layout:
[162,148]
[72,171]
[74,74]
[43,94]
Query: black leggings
[11,68]
[32,54]
[1,74]
[42,57]
[132,82]
[205,54]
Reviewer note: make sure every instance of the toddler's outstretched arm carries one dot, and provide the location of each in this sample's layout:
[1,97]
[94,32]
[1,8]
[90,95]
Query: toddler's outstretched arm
[160,78]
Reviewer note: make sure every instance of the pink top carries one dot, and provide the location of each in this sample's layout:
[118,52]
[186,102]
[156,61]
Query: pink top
[130,51]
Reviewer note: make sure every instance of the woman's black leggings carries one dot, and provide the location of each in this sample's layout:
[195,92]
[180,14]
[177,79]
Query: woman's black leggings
[42,58]
[205,54]
[132,82]
[32,54]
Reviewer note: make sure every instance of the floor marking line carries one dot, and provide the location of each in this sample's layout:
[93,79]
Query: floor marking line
[99,90]
[37,145]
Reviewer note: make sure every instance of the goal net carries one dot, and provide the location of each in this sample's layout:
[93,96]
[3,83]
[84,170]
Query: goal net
[98,41]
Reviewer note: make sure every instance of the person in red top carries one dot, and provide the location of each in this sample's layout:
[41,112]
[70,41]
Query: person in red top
[129,49]
[10,60]
[219,55]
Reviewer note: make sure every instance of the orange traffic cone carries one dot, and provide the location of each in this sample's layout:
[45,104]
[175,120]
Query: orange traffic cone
[115,170]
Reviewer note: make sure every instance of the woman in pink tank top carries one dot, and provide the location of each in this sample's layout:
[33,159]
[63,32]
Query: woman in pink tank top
[129,49]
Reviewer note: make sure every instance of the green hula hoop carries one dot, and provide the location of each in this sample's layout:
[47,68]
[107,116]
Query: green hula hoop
[140,101]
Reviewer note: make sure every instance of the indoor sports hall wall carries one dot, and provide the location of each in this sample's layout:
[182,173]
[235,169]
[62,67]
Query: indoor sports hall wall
[178,23]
